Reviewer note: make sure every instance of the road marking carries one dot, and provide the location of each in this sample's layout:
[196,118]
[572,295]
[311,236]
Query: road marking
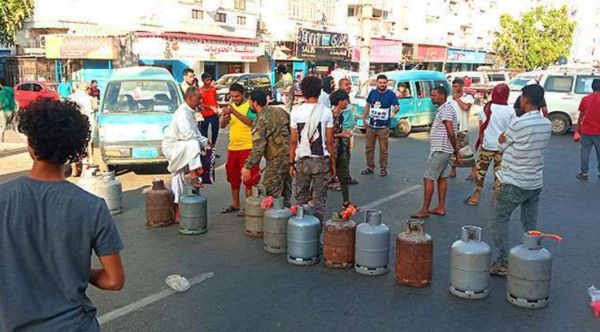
[149,300]
[390,197]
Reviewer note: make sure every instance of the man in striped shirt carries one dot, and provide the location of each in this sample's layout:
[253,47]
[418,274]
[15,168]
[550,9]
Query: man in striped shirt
[523,143]
[443,145]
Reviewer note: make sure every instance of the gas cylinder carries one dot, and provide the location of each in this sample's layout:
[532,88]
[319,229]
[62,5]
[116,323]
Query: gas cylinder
[470,260]
[159,205]
[255,213]
[193,212]
[303,232]
[414,255]
[89,181]
[110,189]
[529,271]
[338,242]
[372,245]
[275,227]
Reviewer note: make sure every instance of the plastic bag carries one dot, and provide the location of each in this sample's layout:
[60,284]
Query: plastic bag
[595,295]
[178,283]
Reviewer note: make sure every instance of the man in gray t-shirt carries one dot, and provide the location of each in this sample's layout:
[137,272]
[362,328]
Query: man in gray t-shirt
[48,229]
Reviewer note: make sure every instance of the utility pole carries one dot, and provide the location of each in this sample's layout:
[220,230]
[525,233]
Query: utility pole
[366,24]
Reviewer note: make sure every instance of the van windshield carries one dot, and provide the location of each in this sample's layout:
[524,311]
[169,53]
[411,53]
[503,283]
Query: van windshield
[141,96]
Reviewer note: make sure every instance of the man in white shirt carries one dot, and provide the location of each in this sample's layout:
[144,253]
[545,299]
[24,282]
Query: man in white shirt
[87,106]
[328,87]
[183,144]
[494,119]
[312,155]
[462,103]
[522,173]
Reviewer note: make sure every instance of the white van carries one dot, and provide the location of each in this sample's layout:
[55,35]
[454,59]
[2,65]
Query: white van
[564,91]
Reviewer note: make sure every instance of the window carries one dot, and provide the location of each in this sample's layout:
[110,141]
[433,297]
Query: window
[241,20]
[36,87]
[25,87]
[584,84]
[423,89]
[442,84]
[403,90]
[559,84]
[141,96]
[197,14]
[496,77]
[240,4]
[221,17]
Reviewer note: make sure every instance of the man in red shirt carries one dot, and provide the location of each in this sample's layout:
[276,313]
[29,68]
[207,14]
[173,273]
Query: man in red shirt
[209,110]
[588,126]
[94,91]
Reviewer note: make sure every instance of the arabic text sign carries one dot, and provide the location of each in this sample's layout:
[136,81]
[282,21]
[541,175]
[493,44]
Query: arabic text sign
[223,51]
[80,47]
[465,56]
[382,51]
[322,45]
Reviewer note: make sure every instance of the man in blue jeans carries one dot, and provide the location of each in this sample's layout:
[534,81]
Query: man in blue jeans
[588,126]
[523,143]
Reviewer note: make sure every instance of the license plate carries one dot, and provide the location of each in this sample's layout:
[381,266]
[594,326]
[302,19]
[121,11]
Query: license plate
[144,153]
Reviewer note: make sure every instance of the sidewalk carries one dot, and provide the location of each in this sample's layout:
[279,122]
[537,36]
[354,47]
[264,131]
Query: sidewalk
[14,143]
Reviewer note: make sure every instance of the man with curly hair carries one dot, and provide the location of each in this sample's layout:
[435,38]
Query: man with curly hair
[49,228]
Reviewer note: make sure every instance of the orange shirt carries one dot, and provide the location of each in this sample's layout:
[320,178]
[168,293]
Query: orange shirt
[209,97]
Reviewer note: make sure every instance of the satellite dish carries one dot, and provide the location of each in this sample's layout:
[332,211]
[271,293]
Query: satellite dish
[211,6]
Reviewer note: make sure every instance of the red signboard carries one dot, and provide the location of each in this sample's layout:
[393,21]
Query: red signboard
[382,51]
[431,53]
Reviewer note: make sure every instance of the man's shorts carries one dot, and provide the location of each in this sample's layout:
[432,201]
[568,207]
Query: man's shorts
[233,166]
[438,165]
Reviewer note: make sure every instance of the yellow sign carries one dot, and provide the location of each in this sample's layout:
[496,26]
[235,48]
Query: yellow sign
[80,47]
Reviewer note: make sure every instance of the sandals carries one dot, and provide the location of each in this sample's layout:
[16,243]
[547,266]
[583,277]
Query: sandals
[229,209]
[470,202]
[367,171]
[582,176]
[383,172]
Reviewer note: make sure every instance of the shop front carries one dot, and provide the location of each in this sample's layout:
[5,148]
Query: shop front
[323,51]
[385,55]
[464,60]
[215,55]
[82,58]
[430,57]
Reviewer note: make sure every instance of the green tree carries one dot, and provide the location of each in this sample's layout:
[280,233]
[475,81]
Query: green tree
[12,15]
[537,39]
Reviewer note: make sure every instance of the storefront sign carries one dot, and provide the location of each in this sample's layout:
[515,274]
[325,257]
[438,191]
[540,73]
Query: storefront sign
[80,47]
[322,45]
[159,48]
[489,58]
[431,53]
[382,51]
[465,56]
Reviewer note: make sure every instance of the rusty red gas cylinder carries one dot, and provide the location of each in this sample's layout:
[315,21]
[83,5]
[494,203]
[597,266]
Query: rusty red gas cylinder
[338,242]
[414,255]
[159,205]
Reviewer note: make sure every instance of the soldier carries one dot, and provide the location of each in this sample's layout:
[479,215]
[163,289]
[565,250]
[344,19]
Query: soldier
[270,138]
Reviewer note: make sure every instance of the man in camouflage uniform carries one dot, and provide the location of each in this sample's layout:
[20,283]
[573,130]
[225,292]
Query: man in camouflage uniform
[270,138]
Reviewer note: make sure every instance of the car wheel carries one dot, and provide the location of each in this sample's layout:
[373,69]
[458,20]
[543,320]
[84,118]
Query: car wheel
[403,128]
[560,124]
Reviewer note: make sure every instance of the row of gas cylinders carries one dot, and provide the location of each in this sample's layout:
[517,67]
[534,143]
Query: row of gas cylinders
[366,248]
[104,185]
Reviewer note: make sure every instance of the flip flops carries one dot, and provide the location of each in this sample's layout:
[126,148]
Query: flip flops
[229,209]
[367,171]
[469,202]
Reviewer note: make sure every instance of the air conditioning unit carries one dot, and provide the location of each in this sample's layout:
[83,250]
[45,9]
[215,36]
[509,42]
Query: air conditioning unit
[42,41]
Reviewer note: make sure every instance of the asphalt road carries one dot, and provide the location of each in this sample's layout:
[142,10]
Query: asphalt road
[240,287]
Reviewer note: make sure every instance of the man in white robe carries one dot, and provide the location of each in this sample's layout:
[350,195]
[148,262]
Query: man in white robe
[183,144]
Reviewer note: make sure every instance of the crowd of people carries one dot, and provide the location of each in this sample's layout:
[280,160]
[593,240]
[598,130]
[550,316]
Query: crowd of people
[307,152]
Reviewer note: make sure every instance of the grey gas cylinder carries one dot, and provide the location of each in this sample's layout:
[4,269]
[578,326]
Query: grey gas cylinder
[254,214]
[193,213]
[110,189]
[89,181]
[303,231]
[529,272]
[372,246]
[275,227]
[470,260]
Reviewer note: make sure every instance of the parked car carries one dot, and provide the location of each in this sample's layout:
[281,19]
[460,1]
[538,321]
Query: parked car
[249,81]
[564,90]
[136,109]
[28,92]
[416,109]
